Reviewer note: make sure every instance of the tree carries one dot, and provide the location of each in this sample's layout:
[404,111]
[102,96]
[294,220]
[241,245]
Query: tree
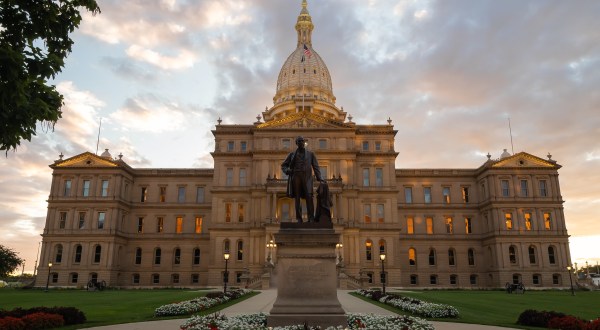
[34,42]
[9,261]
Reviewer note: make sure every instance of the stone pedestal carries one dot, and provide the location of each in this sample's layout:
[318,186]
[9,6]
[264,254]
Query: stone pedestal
[306,277]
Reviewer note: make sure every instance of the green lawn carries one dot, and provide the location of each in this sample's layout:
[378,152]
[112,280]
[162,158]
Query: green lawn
[502,309]
[106,307]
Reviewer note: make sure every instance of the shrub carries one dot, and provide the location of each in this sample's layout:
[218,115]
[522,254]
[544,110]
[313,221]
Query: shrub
[216,294]
[11,323]
[37,321]
[70,315]
[567,322]
[593,325]
[535,318]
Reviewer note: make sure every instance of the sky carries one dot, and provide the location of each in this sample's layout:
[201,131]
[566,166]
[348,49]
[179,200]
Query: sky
[449,74]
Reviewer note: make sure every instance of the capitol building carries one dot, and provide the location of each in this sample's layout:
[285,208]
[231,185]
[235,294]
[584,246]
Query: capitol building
[500,222]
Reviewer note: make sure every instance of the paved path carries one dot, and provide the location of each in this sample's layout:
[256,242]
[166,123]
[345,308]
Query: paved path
[264,301]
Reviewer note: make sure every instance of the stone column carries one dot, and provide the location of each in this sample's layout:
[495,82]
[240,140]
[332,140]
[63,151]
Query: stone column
[306,277]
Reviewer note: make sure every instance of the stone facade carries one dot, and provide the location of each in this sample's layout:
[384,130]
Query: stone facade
[466,228]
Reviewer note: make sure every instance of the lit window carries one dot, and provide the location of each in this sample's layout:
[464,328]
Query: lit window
[543,188]
[140,226]
[180,194]
[241,213]
[160,221]
[230,146]
[196,256]
[408,195]
[465,194]
[429,223]
[62,220]
[67,191]
[369,250]
[468,226]
[505,188]
[179,225]
[86,188]
[412,257]
[508,221]
[138,256]
[198,229]
[177,256]
[367,215]
[199,195]
[227,212]
[144,194]
[163,194]
[380,213]
[446,195]
[524,190]
[427,193]
[449,226]
[547,221]
[242,176]
[379,177]
[365,177]
[229,177]
[104,188]
[410,225]
[101,218]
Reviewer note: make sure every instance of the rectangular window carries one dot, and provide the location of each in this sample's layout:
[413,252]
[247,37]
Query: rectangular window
[81,220]
[543,188]
[380,213]
[140,225]
[365,177]
[449,226]
[160,222]
[547,221]
[163,194]
[446,195]
[429,223]
[377,146]
[101,218]
[365,146]
[241,212]
[199,195]
[410,225]
[229,177]
[379,177]
[242,176]
[528,224]
[230,145]
[136,279]
[67,191]
[86,188]
[468,226]
[324,172]
[179,225]
[180,194]
[505,188]
[508,220]
[62,220]
[198,229]
[465,194]
[408,195]
[427,193]
[195,278]
[227,212]
[285,143]
[285,212]
[74,278]
[524,190]
[367,214]
[243,146]
[144,194]
[322,144]
[104,188]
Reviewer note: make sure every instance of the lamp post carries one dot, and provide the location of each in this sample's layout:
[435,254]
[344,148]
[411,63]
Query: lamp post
[383,279]
[270,246]
[569,268]
[339,246]
[48,279]
[587,269]
[226,274]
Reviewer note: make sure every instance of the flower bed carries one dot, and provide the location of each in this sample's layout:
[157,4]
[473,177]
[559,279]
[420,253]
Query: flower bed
[555,320]
[415,306]
[33,321]
[259,322]
[198,304]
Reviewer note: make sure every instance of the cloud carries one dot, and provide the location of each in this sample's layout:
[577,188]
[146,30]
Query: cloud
[150,113]
[182,60]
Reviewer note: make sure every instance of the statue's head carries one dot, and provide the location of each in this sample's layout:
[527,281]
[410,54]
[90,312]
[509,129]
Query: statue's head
[300,142]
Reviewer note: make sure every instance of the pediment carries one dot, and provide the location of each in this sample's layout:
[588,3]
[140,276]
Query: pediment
[304,120]
[523,159]
[86,159]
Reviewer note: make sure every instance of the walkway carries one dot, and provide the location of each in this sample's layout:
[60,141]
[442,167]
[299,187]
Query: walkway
[263,302]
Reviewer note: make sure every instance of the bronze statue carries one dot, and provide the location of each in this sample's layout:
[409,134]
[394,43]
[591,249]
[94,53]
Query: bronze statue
[299,166]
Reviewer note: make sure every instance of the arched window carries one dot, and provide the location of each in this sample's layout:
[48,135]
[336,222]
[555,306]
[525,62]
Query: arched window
[240,250]
[432,257]
[471,257]
[551,255]
[177,256]
[369,249]
[381,246]
[97,253]
[78,251]
[512,254]
[532,255]
[157,256]
[412,257]
[451,259]
[196,256]
[58,250]
[138,256]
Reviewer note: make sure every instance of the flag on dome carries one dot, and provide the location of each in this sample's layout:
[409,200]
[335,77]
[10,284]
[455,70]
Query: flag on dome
[307,53]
